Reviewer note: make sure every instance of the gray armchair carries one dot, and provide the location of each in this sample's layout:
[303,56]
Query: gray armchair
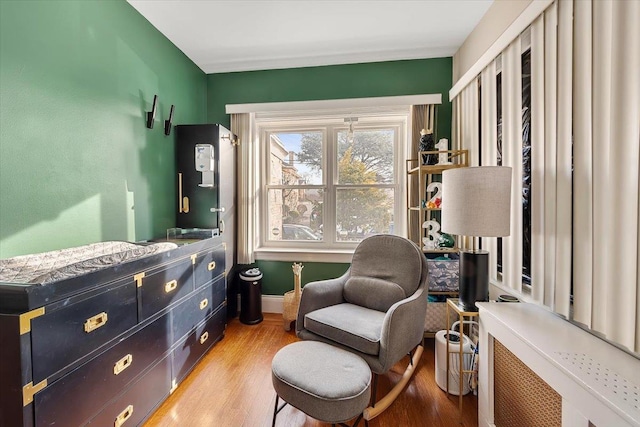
[376,309]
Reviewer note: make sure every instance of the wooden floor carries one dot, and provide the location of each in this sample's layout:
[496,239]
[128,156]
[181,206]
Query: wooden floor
[231,386]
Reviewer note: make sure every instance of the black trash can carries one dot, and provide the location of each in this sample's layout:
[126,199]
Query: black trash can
[251,296]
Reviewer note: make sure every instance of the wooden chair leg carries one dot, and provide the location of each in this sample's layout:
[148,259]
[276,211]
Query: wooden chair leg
[389,398]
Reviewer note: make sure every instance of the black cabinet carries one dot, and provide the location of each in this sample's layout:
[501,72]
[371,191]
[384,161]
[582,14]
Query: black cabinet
[199,180]
[195,201]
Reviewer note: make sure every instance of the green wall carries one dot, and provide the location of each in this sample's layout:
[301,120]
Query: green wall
[77,163]
[278,276]
[330,82]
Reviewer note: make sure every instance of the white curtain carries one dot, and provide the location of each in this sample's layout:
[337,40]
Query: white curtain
[585,162]
[469,136]
[242,125]
[563,200]
[606,122]
[489,141]
[512,156]
[546,162]
[465,126]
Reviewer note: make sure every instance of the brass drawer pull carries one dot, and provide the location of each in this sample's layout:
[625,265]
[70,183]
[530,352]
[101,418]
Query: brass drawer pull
[123,416]
[204,303]
[170,286]
[212,265]
[95,322]
[204,337]
[122,364]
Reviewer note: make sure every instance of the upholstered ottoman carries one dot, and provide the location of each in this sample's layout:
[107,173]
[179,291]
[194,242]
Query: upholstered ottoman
[323,381]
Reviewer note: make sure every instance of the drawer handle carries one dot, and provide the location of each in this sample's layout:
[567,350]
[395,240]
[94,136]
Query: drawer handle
[204,337]
[95,322]
[122,364]
[123,416]
[212,265]
[204,303]
[170,286]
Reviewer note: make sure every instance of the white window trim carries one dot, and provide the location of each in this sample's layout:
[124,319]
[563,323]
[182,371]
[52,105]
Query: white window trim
[340,251]
[333,105]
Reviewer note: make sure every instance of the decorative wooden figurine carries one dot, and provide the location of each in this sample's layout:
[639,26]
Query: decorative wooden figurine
[292,298]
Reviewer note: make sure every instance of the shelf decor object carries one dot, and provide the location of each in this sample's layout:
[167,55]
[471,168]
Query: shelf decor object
[476,202]
[442,147]
[292,298]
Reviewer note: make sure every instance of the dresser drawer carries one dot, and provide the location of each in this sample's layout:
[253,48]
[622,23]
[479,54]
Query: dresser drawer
[194,310]
[77,326]
[194,346]
[102,378]
[135,405]
[161,287]
[209,265]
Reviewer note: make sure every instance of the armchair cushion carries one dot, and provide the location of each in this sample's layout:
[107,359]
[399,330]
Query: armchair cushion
[373,293]
[351,325]
[390,258]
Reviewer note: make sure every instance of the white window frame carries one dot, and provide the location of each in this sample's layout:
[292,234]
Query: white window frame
[328,250]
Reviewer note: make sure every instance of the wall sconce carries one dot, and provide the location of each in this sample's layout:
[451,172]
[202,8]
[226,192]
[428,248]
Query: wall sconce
[167,123]
[151,115]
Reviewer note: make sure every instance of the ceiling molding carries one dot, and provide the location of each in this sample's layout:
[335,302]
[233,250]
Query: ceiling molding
[319,61]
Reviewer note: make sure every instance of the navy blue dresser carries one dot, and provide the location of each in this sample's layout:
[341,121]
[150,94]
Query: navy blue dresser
[108,347]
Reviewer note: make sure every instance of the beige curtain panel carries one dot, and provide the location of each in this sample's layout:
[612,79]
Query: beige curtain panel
[241,125]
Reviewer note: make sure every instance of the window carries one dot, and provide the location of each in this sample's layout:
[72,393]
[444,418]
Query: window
[526,167]
[329,183]
[526,163]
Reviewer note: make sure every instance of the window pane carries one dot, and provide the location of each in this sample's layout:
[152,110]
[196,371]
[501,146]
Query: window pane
[526,167]
[362,212]
[295,214]
[366,157]
[499,151]
[296,158]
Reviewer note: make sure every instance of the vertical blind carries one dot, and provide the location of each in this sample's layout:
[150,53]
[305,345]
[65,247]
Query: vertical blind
[585,161]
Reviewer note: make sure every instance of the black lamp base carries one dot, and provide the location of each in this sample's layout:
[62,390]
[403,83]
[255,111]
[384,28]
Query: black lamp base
[474,278]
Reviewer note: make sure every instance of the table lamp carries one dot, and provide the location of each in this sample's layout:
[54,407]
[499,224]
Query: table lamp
[476,202]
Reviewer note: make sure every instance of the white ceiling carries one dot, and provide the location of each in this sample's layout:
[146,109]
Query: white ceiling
[223,36]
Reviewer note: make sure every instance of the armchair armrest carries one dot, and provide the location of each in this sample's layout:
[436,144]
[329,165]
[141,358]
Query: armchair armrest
[403,328]
[320,294]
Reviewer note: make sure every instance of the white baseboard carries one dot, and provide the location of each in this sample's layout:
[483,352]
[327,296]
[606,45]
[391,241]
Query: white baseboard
[270,304]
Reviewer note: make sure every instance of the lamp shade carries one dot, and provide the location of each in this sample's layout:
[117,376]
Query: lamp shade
[476,201]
